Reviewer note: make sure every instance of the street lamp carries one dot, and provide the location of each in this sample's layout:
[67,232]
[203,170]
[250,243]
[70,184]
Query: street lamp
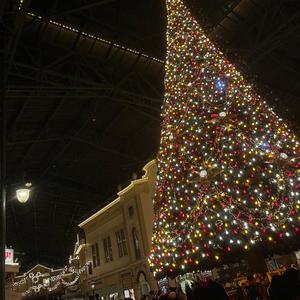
[3,132]
[23,193]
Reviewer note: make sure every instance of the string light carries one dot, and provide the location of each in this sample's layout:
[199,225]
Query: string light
[33,279]
[91,36]
[228,167]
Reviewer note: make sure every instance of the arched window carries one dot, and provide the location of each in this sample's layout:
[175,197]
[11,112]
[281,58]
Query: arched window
[136,243]
[144,285]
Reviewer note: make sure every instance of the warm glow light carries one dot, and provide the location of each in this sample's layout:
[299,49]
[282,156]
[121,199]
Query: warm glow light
[23,195]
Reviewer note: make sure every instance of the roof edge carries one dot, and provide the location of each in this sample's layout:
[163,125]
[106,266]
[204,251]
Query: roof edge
[128,188]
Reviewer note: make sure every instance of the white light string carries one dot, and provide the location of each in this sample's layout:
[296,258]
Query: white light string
[59,280]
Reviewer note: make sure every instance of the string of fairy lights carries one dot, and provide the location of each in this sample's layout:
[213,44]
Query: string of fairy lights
[228,166]
[39,282]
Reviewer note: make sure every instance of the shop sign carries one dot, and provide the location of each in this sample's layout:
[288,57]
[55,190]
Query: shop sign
[9,256]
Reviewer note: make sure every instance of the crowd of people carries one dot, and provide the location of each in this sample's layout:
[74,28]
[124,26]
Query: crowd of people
[282,287]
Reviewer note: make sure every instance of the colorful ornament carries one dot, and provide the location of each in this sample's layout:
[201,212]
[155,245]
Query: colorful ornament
[283,155]
[203,173]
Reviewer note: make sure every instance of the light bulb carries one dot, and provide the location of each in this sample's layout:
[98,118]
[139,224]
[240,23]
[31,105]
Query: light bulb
[23,195]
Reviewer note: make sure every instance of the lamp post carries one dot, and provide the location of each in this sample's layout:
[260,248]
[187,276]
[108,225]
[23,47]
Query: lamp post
[3,194]
[22,195]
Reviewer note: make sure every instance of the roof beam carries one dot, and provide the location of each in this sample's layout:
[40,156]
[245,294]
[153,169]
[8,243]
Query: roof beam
[72,221]
[69,183]
[15,36]
[3,4]
[70,138]
[83,7]
[56,108]
[12,124]
[89,109]
[87,83]
[111,122]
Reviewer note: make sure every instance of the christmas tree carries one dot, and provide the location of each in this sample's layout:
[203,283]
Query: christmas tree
[228,167]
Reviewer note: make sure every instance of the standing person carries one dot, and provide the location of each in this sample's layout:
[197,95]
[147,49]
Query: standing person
[209,290]
[180,294]
[152,295]
[160,295]
[216,291]
[276,288]
[200,291]
[251,289]
[291,284]
[163,296]
[240,292]
[172,295]
[188,292]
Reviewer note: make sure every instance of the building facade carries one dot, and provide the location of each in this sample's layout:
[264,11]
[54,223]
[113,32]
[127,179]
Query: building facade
[118,242]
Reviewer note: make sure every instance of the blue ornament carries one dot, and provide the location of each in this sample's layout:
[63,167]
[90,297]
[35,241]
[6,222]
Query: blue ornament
[220,85]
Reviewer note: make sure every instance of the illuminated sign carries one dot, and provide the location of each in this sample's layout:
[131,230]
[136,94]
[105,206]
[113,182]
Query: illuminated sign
[9,256]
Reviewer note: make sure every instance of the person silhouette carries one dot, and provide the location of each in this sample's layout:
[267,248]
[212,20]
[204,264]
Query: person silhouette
[276,289]
[291,284]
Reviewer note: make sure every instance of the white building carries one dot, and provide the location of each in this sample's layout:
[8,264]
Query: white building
[118,242]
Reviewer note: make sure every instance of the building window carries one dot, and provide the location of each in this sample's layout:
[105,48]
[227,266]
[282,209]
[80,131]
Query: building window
[144,285]
[130,211]
[121,242]
[107,249]
[90,268]
[95,255]
[136,243]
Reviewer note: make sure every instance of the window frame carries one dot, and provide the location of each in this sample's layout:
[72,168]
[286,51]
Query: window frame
[121,243]
[136,243]
[131,211]
[95,255]
[107,249]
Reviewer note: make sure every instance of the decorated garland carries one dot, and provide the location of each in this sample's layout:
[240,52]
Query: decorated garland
[57,280]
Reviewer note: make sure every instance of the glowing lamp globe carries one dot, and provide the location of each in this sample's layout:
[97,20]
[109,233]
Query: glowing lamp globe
[23,195]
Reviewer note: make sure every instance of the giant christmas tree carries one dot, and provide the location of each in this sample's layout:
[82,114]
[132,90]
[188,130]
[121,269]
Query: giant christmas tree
[228,168]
